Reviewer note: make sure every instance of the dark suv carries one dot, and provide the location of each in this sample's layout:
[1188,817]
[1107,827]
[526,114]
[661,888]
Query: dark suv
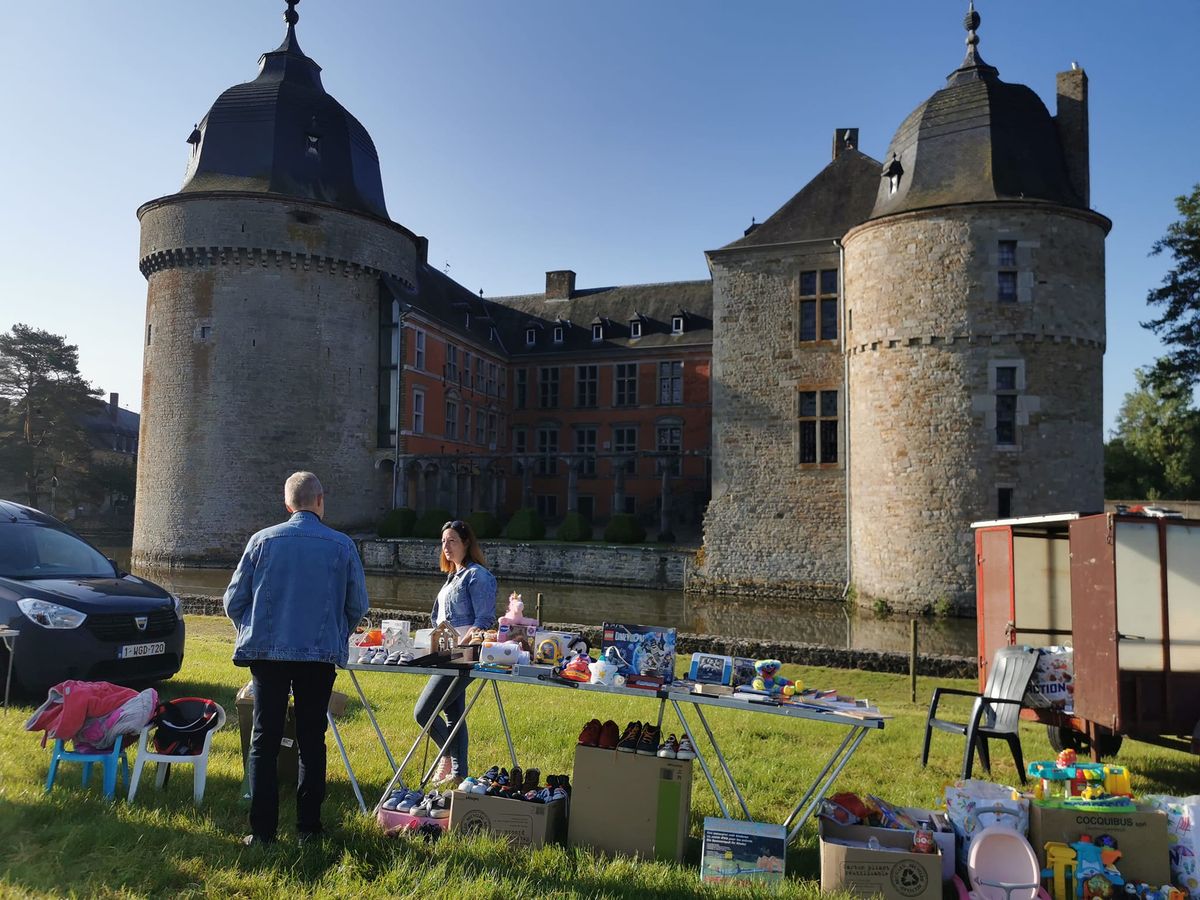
[78,615]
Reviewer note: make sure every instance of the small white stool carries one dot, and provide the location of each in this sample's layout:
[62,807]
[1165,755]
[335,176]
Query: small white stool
[199,761]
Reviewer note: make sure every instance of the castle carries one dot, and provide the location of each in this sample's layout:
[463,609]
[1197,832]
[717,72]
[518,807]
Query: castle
[927,337]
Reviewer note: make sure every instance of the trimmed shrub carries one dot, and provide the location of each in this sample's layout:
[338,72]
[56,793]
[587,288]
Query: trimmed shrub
[397,523]
[525,525]
[430,522]
[624,529]
[484,524]
[574,528]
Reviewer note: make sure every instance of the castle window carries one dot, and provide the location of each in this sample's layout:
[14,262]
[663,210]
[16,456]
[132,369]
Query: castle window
[451,420]
[670,382]
[491,430]
[547,506]
[585,443]
[625,384]
[520,445]
[676,324]
[205,332]
[1006,276]
[530,337]
[587,379]
[818,318]
[491,379]
[521,388]
[547,449]
[635,328]
[466,423]
[1006,405]
[1004,498]
[480,380]
[466,368]
[149,332]
[451,363]
[480,426]
[597,332]
[548,387]
[419,349]
[818,415]
[625,441]
[418,412]
[558,334]
[668,438]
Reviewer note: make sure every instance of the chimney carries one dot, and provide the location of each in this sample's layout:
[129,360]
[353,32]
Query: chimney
[112,405]
[844,139]
[560,284]
[422,249]
[1072,122]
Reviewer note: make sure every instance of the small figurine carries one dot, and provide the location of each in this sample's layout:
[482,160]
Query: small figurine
[1067,757]
[443,639]
[771,682]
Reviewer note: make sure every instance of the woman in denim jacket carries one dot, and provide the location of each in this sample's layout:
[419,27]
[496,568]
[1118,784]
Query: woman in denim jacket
[467,599]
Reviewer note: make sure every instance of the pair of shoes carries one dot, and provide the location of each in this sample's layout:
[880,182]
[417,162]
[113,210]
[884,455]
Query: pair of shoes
[257,840]
[590,735]
[436,805]
[472,786]
[445,769]
[630,738]
[375,656]
[395,799]
[608,736]
[669,749]
[685,750]
[398,658]
[412,799]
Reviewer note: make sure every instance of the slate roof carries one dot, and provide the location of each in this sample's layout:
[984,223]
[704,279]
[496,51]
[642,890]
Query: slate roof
[838,198]
[976,140]
[282,134]
[614,307]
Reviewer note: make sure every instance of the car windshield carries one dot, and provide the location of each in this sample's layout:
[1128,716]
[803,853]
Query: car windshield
[36,551]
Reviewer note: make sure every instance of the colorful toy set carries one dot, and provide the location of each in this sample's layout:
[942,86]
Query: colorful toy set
[1068,782]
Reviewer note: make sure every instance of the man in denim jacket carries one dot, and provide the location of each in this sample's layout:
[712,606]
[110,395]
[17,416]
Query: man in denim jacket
[297,594]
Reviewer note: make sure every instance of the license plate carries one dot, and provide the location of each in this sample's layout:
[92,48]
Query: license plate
[130,651]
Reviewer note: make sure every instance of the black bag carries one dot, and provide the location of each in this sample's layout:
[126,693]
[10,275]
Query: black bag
[183,724]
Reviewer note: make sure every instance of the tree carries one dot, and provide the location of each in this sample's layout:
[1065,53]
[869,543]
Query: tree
[43,400]
[1154,452]
[1179,297]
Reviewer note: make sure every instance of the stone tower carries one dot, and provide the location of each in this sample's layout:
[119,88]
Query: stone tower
[974,298]
[263,311]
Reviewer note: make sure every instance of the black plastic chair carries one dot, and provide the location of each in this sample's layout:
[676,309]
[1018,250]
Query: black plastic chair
[995,714]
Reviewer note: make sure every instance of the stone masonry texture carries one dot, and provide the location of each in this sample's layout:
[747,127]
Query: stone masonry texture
[261,333]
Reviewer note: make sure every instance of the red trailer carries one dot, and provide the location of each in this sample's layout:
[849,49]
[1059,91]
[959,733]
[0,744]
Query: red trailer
[1124,592]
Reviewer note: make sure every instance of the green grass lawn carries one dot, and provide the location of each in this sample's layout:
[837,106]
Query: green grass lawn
[71,842]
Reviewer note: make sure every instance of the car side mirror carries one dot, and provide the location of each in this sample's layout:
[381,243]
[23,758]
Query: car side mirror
[116,568]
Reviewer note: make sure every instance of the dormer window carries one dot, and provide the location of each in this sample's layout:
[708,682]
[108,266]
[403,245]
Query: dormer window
[676,324]
[597,332]
[558,334]
[893,172]
[635,328]
[530,337]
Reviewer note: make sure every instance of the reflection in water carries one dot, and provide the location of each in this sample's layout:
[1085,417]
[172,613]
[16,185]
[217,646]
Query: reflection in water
[812,622]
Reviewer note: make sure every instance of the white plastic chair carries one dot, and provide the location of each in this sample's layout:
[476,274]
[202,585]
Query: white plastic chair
[199,761]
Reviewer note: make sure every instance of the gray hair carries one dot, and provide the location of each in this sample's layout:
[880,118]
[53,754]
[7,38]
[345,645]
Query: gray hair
[301,490]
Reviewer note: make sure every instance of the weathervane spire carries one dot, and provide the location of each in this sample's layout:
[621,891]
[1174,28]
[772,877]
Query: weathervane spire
[973,67]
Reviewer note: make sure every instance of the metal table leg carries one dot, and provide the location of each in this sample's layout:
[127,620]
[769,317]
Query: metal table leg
[820,794]
[512,751]
[721,759]
[813,787]
[337,739]
[371,715]
[700,759]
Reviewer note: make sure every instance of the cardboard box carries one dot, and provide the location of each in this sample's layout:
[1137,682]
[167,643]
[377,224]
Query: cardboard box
[739,852]
[892,870]
[393,822]
[1141,836]
[629,803]
[943,835]
[522,823]
[288,764]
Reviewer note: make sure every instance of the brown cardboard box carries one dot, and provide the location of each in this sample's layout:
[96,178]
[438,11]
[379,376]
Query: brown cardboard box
[628,803]
[1141,836]
[897,873]
[288,755]
[523,823]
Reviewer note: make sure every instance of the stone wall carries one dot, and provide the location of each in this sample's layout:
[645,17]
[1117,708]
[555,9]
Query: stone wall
[773,527]
[261,338]
[926,339]
[640,567]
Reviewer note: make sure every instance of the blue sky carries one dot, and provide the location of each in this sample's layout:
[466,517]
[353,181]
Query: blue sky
[620,139]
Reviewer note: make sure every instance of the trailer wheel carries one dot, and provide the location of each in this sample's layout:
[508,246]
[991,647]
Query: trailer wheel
[1062,738]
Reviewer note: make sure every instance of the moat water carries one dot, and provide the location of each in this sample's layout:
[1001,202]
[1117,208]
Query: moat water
[813,622]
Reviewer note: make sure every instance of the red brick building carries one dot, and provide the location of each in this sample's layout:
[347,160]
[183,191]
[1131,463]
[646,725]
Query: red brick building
[593,400]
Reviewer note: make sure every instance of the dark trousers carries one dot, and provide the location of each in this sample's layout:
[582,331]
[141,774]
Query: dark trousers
[310,684]
[452,712]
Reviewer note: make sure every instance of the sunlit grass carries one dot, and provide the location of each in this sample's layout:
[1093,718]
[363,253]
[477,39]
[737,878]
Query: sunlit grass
[71,842]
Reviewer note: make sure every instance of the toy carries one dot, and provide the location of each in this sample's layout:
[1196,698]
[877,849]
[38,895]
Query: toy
[645,649]
[549,651]
[1080,783]
[602,671]
[505,653]
[709,668]
[771,682]
[443,640]
[1090,864]
[514,625]
[577,669]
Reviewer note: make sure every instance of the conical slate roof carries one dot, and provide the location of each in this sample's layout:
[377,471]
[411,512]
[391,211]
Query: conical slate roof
[282,134]
[978,139]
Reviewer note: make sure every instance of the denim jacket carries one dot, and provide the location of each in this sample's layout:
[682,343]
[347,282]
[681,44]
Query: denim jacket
[472,597]
[297,594]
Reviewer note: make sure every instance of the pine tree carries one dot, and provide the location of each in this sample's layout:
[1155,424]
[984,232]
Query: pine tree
[1179,297]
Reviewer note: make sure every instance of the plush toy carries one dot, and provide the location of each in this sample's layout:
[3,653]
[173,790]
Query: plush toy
[769,681]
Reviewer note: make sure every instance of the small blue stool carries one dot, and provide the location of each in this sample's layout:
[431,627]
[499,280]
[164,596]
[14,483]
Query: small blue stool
[113,760]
